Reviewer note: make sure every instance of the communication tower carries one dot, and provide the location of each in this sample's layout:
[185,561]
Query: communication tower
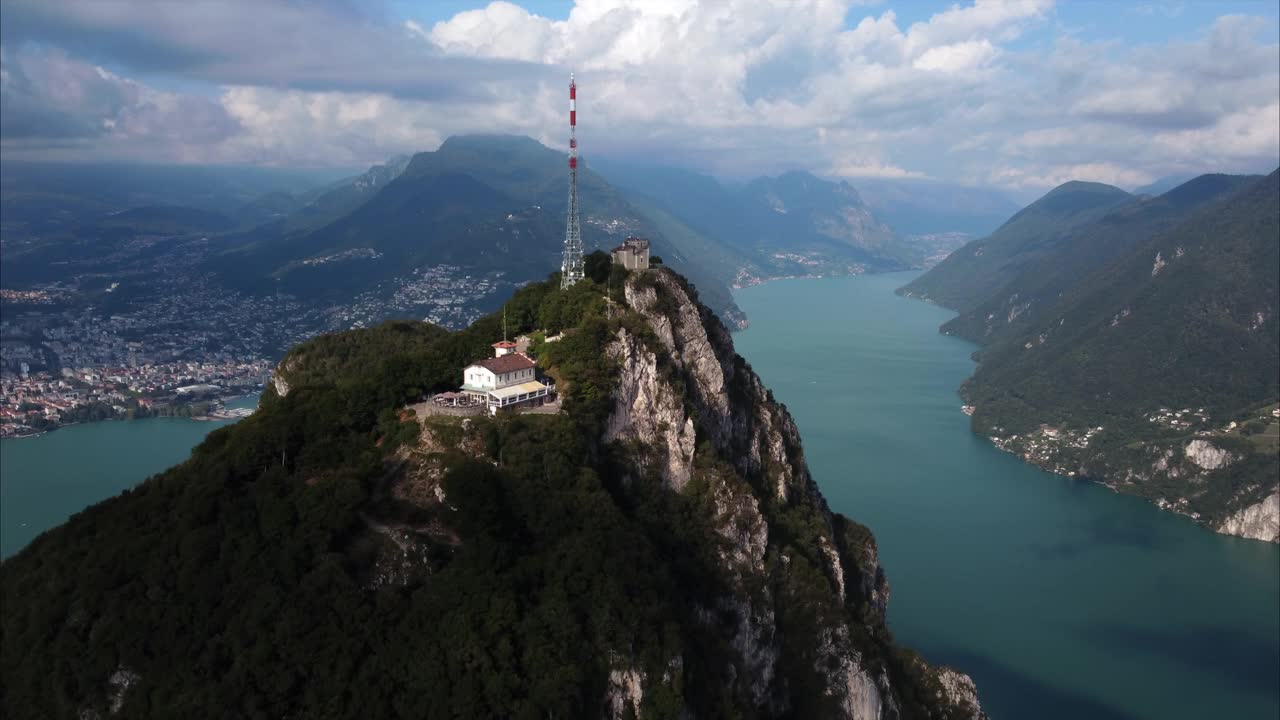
[571,270]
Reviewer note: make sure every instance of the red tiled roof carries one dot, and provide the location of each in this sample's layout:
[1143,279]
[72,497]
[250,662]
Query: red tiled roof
[506,363]
[504,344]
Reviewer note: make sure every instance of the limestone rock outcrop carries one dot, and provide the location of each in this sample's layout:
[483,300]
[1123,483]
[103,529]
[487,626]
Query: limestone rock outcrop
[684,399]
[1258,522]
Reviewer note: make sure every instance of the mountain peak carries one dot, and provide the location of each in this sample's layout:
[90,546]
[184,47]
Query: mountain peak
[484,153]
[490,142]
[799,176]
[1074,197]
[963,279]
[804,188]
[1085,186]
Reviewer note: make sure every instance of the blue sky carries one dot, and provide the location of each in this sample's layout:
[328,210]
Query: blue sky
[432,12]
[1019,94]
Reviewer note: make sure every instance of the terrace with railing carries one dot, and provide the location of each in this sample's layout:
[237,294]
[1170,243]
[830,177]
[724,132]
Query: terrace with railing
[536,396]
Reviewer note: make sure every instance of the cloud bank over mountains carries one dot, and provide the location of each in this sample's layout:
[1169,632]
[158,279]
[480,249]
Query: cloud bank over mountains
[733,88]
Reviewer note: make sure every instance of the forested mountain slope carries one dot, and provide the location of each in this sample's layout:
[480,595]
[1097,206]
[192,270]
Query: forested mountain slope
[1172,349]
[1020,303]
[482,202]
[972,273]
[658,549]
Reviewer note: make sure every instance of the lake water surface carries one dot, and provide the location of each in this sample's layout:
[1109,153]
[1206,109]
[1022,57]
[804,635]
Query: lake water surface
[1060,598]
[46,479]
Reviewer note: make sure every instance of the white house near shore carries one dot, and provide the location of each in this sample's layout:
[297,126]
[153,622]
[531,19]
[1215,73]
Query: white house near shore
[506,379]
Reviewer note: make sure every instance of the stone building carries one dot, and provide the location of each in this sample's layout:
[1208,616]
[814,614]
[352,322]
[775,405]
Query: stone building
[632,254]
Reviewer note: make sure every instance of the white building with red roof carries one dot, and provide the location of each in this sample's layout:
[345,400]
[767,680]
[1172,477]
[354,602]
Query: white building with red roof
[506,379]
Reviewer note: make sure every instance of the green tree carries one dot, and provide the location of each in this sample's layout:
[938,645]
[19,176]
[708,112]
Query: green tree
[596,266]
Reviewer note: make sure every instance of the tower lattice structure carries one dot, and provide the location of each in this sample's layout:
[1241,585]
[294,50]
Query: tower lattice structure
[571,270]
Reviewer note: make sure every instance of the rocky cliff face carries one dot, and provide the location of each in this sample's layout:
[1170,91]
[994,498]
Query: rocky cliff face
[1258,522]
[690,413]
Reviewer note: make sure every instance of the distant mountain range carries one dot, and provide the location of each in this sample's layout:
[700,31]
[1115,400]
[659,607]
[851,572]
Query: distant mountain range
[319,208]
[1162,185]
[488,203]
[795,223]
[1152,318]
[53,214]
[52,196]
[491,205]
[927,207]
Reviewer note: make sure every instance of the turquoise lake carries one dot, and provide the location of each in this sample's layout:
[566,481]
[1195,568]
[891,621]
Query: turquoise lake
[1060,598]
[46,479]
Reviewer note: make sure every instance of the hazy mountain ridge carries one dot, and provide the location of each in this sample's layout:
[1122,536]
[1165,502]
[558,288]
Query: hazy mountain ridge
[487,203]
[334,554]
[1163,185]
[56,195]
[791,224]
[319,208]
[58,220]
[797,208]
[968,275]
[1022,302]
[926,207]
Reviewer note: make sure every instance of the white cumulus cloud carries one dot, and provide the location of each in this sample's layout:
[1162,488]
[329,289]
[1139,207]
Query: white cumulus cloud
[736,87]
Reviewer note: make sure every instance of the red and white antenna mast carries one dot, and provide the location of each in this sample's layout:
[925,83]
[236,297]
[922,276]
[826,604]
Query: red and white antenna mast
[571,270]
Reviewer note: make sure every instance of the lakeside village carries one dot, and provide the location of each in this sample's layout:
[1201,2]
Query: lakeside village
[1050,447]
[35,402]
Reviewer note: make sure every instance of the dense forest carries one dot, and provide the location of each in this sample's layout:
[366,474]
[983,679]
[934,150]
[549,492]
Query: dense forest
[985,266]
[253,580]
[1159,305]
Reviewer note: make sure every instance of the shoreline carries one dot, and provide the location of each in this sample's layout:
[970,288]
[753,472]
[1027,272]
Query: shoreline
[735,287]
[1161,504]
[215,416]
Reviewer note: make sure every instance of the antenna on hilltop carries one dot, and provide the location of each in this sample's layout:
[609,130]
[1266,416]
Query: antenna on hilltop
[504,323]
[571,270]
